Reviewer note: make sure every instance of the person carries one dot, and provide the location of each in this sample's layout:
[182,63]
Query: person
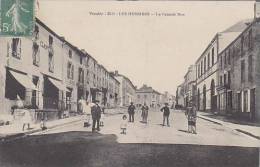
[123,125]
[131,112]
[81,103]
[166,114]
[87,113]
[26,119]
[188,115]
[102,119]
[96,114]
[193,119]
[43,124]
[144,109]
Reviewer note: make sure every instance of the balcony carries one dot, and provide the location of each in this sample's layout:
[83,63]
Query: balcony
[223,86]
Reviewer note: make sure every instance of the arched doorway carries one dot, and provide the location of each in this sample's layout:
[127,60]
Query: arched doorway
[212,96]
[204,97]
[198,100]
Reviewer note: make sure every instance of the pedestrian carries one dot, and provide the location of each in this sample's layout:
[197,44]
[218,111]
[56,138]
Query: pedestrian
[131,112]
[87,113]
[96,115]
[26,119]
[144,109]
[102,119]
[81,103]
[166,114]
[193,119]
[123,125]
[188,115]
[43,124]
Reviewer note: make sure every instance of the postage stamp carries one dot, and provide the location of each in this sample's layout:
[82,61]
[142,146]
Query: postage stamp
[17,17]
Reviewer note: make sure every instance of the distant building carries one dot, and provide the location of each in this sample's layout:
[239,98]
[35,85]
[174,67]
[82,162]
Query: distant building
[189,86]
[148,95]
[166,97]
[180,96]
[126,90]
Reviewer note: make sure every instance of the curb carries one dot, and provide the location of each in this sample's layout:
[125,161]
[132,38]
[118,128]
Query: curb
[215,122]
[248,133]
[239,130]
[19,135]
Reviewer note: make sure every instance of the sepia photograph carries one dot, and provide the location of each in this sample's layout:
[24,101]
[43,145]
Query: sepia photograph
[103,83]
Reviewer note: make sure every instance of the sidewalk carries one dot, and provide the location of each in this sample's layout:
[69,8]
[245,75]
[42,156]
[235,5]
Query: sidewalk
[251,130]
[15,130]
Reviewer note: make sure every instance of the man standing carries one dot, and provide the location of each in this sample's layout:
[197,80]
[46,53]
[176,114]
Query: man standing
[166,114]
[144,109]
[131,112]
[96,115]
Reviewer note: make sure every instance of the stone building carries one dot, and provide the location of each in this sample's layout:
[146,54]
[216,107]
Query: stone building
[180,96]
[189,86]
[148,95]
[239,74]
[126,90]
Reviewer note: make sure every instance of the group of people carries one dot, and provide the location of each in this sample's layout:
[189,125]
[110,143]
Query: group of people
[190,113]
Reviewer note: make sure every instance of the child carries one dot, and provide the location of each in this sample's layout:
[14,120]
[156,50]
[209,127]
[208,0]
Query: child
[101,123]
[123,125]
[42,124]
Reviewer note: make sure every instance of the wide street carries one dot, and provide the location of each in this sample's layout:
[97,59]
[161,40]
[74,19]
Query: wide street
[143,145]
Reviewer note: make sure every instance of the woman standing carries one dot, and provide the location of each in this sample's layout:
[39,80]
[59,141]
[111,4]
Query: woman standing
[144,109]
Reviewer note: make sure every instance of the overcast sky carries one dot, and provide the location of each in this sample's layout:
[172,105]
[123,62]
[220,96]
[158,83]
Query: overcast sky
[151,50]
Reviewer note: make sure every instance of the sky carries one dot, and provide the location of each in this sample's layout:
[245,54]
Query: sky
[153,50]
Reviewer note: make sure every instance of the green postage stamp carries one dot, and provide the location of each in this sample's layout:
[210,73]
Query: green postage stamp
[17,17]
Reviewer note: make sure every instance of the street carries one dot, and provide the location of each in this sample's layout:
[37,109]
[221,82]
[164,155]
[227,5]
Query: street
[143,145]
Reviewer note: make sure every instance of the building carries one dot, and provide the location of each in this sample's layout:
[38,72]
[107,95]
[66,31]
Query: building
[239,79]
[50,74]
[31,72]
[180,96]
[127,89]
[166,97]
[149,96]
[189,86]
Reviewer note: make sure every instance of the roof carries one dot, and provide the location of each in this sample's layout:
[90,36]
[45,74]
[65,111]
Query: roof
[120,75]
[146,89]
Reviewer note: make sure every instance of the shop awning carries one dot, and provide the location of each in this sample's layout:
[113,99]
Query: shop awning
[58,84]
[23,80]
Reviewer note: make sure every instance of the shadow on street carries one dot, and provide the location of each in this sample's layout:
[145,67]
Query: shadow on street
[86,149]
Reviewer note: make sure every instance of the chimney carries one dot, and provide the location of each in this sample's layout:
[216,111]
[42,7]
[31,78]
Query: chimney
[257,9]
[116,73]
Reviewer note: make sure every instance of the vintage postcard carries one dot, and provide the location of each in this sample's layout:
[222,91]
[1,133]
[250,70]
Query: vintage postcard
[129,83]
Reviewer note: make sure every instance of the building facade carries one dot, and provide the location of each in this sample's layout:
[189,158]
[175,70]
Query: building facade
[189,86]
[127,89]
[180,96]
[238,74]
[148,95]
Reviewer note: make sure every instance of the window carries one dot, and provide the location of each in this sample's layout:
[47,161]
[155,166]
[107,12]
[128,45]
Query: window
[250,39]
[145,96]
[225,59]
[242,45]
[198,71]
[229,78]
[36,54]
[50,40]
[250,68]
[51,62]
[245,109]
[201,68]
[220,80]
[221,62]
[70,70]
[138,96]
[205,67]
[81,60]
[212,56]
[225,79]
[228,58]
[16,48]
[81,75]
[208,60]
[70,54]
[242,70]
